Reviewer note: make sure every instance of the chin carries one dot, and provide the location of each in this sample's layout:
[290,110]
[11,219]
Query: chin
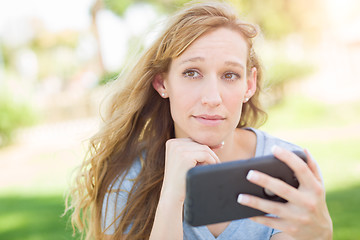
[210,141]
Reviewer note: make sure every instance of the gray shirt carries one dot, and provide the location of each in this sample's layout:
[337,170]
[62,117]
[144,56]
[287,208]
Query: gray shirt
[237,229]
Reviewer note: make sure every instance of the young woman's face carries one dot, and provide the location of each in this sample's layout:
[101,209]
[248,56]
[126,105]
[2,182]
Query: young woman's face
[207,85]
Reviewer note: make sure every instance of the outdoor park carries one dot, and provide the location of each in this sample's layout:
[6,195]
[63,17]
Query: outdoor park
[57,58]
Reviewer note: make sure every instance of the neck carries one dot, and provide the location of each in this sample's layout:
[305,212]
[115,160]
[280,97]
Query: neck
[226,151]
[239,145]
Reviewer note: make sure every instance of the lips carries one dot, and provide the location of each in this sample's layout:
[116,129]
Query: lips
[210,117]
[210,120]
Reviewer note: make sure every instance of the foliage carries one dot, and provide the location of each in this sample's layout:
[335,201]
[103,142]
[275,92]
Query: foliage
[277,18]
[280,73]
[120,7]
[60,48]
[108,77]
[12,116]
[274,17]
[283,71]
[5,55]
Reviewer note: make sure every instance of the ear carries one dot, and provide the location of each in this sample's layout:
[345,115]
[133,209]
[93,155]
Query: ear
[251,83]
[159,84]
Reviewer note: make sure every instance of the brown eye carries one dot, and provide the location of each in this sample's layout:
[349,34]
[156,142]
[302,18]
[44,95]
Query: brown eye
[231,76]
[191,74]
[228,75]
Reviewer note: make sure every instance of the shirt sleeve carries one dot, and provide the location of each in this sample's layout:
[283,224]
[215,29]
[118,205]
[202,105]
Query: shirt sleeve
[115,199]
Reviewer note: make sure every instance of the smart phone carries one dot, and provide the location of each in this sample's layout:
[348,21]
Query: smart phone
[212,190]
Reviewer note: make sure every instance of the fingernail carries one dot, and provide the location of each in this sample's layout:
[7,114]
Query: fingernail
[242,199]
[276,149]
[251,175]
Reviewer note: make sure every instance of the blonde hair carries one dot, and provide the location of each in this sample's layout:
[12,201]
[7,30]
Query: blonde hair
[139,122]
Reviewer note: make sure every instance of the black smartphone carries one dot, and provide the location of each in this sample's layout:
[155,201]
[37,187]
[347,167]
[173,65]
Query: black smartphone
[212,190]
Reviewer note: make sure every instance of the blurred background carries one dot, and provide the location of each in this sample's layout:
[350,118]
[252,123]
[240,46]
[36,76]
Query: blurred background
[57,56]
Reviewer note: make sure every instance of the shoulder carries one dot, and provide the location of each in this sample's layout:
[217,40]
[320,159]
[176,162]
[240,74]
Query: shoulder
[266,141]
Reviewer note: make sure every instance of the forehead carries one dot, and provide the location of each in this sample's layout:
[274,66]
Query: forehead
[222,44]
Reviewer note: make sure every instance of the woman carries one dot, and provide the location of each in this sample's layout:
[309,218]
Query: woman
[192,99]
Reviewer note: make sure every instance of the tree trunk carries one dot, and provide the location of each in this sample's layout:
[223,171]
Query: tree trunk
[98,5]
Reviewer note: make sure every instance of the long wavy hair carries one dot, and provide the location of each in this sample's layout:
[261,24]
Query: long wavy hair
[139,121]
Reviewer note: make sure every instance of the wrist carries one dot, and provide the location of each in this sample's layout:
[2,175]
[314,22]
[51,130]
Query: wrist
[170,198]
[172,194]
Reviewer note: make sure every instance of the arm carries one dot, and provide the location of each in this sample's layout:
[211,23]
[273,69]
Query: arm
[168,220]
[305,215]
[180,156]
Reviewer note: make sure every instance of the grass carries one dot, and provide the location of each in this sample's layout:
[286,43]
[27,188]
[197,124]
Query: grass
[33,218]
[344,209]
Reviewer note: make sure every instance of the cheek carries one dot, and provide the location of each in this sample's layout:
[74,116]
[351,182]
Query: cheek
[234,102]
[182,95]
[180,103]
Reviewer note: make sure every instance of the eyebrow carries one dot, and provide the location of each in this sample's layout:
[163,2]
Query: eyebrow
[201,59]
[236,64]
[194,59]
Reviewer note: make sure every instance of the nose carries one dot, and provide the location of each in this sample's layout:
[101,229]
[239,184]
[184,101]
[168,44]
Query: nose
[211,93]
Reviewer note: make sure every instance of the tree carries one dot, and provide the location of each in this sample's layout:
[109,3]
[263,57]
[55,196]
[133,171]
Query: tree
[98,5]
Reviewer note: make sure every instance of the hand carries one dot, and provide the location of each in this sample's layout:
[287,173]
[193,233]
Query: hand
[181,155]
[305,215]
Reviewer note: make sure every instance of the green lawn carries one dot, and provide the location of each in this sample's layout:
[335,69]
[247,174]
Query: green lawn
[38,217]
[33,218]
[344,209]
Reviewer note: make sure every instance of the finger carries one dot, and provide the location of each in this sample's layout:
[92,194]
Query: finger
[208,149]
[213,154]
[202,157]
[313,166]
[300,168]
[191,150]
[275,185]
[267,206]
[177,143]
